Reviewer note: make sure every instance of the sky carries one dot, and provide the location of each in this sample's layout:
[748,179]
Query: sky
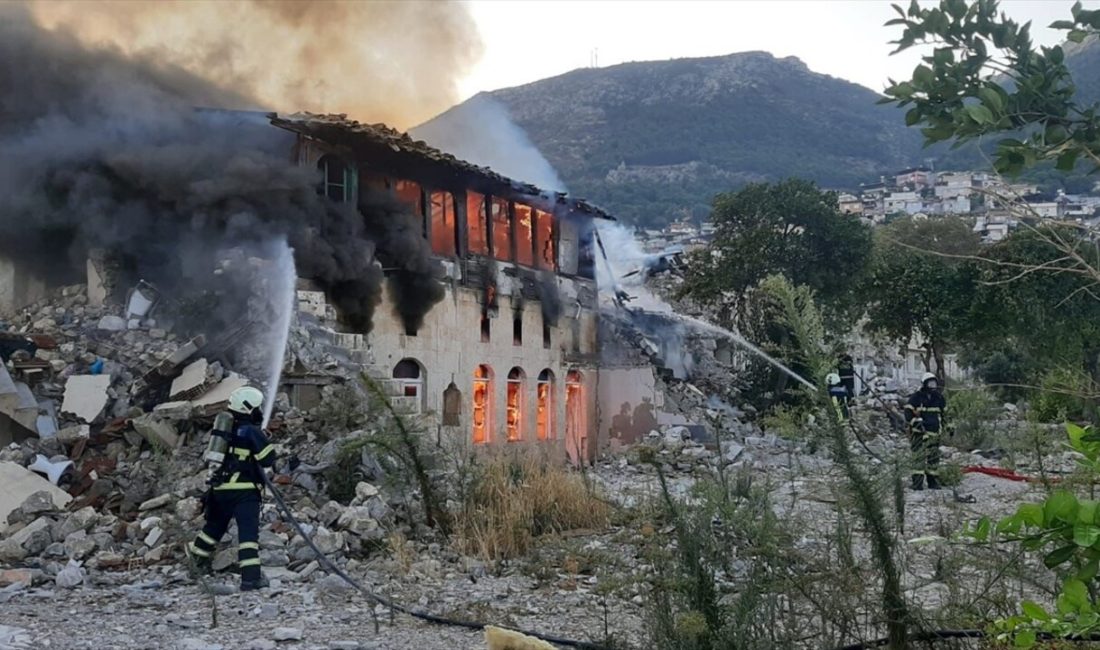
[842,38]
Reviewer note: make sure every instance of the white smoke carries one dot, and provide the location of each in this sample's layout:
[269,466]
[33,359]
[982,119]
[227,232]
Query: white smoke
[481,131]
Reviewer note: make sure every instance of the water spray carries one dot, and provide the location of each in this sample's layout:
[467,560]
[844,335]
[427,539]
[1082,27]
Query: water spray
[281,286]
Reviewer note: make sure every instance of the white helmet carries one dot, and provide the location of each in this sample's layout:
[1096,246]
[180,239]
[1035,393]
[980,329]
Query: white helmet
[245,399]
[927,376]
[832,379]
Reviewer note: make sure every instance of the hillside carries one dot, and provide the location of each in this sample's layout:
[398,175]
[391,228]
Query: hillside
[654,140]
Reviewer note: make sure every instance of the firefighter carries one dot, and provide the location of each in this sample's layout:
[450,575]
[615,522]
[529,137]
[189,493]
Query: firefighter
[235,488]
[846,368]
[925,411]
[838,395]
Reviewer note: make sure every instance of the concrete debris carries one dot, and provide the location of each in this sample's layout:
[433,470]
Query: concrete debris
[21,485]
[159,433]
[86,396]
[112,323]
[156,502]
[287,634]
[53,470]
[195,379]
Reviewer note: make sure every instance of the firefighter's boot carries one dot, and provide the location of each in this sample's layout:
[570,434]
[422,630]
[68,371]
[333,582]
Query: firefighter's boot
[918,482]
[933,482]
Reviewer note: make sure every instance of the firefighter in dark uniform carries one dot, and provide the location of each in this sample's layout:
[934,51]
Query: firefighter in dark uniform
[846,368]
[925,411]
[838,396]
[235,488]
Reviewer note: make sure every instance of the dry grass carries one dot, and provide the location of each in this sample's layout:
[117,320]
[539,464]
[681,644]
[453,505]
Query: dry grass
[401,551]
[512,500]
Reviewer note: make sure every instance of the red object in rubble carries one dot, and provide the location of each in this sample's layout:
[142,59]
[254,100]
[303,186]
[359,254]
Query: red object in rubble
[1000,472]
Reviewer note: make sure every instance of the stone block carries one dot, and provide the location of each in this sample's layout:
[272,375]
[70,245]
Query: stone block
[86,396]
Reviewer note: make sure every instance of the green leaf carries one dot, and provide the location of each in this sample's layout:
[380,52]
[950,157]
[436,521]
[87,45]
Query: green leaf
[1085,535]
[1086,512]
[1068,160]
[912,116]
[1059,556]
[1060,505]
[981,533]
[1075,433]
[1034,610]
[1077,35]
[922,75]
[980,114]
[1089,571]
[1076,593]
[1058,24]
[1031,514]
[1024,639]
[991,98]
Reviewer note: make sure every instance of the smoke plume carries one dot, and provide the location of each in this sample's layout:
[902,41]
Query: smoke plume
[393,62]
[481,131]
[102,150]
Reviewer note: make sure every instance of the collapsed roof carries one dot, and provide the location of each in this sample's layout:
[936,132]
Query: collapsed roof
[399,151]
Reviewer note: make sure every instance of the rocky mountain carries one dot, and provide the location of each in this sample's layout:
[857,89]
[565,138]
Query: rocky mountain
[652,141]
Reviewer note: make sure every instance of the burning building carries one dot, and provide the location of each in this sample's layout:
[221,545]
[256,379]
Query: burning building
[494,336]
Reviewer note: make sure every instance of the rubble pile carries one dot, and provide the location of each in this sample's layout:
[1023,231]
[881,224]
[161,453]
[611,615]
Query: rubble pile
[107,474]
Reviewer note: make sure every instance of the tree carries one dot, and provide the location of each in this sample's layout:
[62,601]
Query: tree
[790,228]
[919,285]
[984,77]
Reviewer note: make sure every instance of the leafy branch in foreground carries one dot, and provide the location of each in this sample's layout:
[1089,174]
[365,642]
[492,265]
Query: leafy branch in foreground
[984,77]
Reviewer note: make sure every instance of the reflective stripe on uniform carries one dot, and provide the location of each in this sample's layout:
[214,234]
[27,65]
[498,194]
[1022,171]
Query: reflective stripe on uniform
[265,452]
[235,486]
[241,454]
[195,550]
[208,539]
[931,409]
[250,562]
[249,545]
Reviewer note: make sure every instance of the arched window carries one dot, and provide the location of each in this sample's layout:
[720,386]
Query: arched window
[515,404]
[410,375]
[575,420]
[545,417]
[335,178]
[482,403]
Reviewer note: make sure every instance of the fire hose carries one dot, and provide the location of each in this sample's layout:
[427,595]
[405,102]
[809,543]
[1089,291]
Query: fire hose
[390,603]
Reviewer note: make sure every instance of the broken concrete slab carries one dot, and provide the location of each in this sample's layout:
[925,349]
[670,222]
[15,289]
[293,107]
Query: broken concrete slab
[85,396]
[19,483]
[192,382]
[158,432]
[17,403]
[112,323]
[174,411]
[219,394]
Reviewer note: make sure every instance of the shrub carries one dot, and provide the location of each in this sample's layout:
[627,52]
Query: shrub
[512,500]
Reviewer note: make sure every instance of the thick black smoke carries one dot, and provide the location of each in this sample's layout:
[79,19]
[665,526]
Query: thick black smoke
[101,151]
[413,275]
[549,297]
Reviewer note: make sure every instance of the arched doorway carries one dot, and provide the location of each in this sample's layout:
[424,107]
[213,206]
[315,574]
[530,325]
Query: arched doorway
[409,375]
[482,410]
[515,411]
[544,417]
[576,419]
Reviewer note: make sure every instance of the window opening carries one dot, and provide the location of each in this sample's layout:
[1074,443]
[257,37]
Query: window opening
[515,405]
[545,415]
[410,378]
[411,195]
[575,438]
[482,401]
[525,247]
[517,329]
[443,222]
[545,334]
[452,406]
[545,253]
[485,328]
[335,184]
[502,230]
[477,228]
